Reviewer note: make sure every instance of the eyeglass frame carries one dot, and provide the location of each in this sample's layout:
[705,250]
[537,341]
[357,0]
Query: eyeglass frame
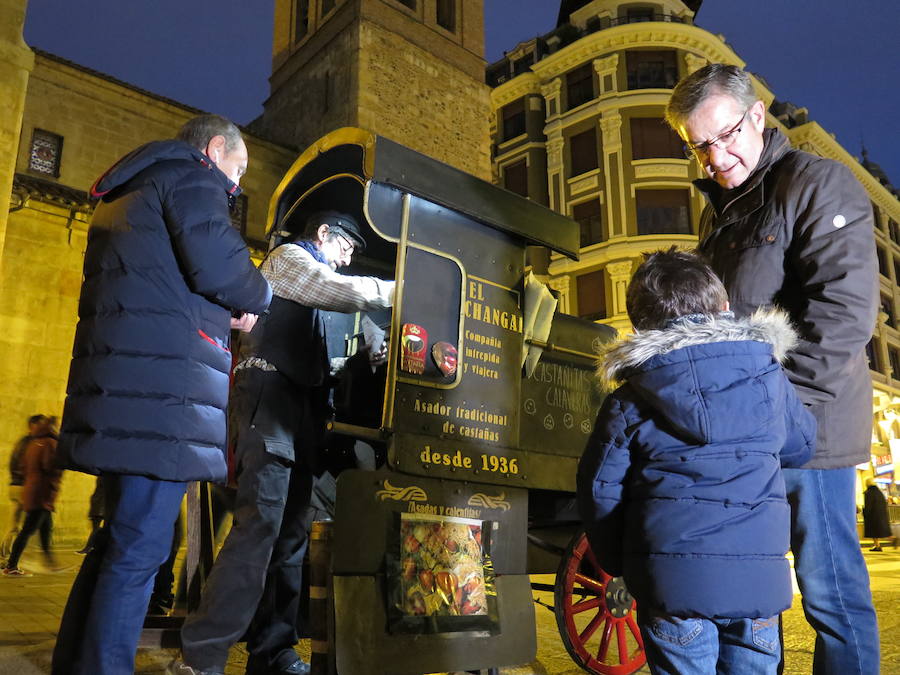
[351,248]
[702,149]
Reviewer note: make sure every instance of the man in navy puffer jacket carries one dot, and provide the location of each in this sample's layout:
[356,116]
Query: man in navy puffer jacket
[680,485]
[166,277]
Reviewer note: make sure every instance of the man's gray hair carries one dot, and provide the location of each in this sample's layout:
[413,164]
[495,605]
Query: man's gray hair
[711,80]
[198,131]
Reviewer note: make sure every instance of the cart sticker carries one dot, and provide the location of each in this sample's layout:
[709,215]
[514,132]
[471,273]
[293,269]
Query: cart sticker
[402,494]
[498,502]
[415,341]
[445,357]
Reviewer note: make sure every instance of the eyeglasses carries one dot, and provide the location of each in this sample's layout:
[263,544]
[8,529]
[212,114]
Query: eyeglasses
[345,245]
[722,141]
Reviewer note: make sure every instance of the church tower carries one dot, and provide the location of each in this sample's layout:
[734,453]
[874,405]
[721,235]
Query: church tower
[410,70]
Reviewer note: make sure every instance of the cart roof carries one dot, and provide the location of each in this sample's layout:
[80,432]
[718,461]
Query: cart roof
[366,157]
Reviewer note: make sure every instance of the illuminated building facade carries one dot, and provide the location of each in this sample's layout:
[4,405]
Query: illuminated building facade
[578,125]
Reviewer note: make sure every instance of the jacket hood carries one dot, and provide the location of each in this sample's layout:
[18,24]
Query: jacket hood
[152,153]
[701,376]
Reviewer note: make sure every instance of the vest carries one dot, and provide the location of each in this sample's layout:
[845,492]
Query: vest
[291,337]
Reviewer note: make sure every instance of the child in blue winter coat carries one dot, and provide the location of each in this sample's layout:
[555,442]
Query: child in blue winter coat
[680,486]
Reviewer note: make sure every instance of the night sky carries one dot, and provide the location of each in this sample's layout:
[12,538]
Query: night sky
[838,58]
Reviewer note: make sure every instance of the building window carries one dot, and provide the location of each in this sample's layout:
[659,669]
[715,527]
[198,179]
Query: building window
[522,65]
[580,86]
[515,178]
[882,261]
[239,214]
[897,269]
[876,214]
[651,138]
[46,153]
[873,355]
[408,3]
[583,153]
[639,14]
[301,20]
[589,217]
[327,6]
[513,119]
[894,229]
[894,355]
[591,289]
[446,14]
[651,69]
[887,306]
[663,212]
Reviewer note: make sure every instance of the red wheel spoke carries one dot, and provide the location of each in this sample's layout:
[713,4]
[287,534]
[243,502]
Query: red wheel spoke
[622,638]
[590,607]
[586,605]
[587,582]
[591,628]
[603,651]
[633,627]
[592,559]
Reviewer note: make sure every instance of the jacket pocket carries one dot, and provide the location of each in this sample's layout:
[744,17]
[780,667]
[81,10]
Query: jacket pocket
[213,341]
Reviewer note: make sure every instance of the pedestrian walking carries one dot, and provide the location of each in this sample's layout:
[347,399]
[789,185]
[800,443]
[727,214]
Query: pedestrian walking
[39,491]
[876,523]
[16,481]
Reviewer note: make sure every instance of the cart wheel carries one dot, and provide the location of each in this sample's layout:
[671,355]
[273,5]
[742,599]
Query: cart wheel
[596,614]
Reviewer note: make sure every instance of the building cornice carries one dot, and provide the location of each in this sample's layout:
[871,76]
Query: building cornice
[516,88]
[827,146]
[617,249]
[651,34]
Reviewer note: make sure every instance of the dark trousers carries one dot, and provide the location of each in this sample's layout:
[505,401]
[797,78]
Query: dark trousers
[37,520]
[253,590]
[104,614]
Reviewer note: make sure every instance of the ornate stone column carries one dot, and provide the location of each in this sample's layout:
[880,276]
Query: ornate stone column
[16,63]
[619,275]
[561,285]
[551,91]
[555,145]
[613,173]
[693,62]
[606,68]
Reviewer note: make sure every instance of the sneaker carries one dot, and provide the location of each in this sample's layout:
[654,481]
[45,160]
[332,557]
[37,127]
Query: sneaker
[16,572]
[877,549]
[181,668]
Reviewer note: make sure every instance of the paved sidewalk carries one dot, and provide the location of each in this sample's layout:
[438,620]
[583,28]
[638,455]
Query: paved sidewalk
[30,609]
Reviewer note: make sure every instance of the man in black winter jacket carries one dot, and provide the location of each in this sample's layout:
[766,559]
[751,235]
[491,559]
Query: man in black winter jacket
[166,277]
[787,228]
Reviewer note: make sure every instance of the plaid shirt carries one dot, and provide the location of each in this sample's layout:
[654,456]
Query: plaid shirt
[295,275]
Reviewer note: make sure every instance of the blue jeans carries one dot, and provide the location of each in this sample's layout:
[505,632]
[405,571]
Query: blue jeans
[831,572]
[105,612]
[708,646]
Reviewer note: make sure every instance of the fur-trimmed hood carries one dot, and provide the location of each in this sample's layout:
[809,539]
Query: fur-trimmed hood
[707,378]
[764,325]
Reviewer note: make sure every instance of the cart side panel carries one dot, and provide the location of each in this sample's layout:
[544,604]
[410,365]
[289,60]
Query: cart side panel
[561,397]
[462,287]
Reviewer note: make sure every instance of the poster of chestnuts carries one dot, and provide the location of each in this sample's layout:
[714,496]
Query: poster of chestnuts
[442,566]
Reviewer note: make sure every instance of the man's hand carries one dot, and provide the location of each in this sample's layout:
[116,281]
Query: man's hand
[244,322]
[377,358]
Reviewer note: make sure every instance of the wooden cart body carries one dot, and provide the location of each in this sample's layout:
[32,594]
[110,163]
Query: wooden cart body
[472,443]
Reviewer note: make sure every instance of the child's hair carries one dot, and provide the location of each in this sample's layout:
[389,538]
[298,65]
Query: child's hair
[670,284]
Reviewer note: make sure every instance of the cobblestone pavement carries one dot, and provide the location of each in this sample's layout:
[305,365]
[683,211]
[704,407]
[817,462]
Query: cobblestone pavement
[30,609]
